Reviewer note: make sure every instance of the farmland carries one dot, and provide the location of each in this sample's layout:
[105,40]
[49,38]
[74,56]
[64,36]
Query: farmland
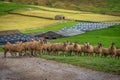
[110,7]
[10,22]
[105,36]
[81,16]
[36,19]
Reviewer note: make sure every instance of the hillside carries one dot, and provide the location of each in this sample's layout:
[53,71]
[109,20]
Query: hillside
[105,36]
[111,7]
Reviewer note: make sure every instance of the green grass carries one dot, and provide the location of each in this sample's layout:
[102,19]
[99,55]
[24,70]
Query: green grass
[105,36]
[96,63]
[51,28]
[97,6]
[5,7]
[1,50]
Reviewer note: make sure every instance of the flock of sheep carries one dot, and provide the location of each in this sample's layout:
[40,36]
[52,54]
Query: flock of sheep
[34,48]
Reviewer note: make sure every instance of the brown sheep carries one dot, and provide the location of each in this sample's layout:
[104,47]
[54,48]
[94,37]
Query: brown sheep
[32,47]
[117,53]
[78,49]
[59,47]
[6,48]
[88,49]
[16,48]
[71,49]
[98,49]
[112,50]
[47,48]
[109,51]
[56,47]
[105,52]
[39,46]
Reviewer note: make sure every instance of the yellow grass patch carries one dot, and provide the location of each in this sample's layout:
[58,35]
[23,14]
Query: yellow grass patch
[73,16]
[10,22]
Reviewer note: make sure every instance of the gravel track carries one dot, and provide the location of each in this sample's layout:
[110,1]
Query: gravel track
[27,68]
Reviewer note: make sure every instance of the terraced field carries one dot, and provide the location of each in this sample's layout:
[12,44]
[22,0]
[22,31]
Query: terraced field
[73,15]
[10,22]
[39,16]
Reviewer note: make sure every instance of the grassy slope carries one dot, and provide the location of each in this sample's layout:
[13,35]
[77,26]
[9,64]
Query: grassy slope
[51,28]
[99,6]
[96,63]
[105,36]
[81,16]
[5,7]
[10,22]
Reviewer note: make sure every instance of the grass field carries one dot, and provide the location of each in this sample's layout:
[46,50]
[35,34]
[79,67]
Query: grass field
[96,63]
[10,22]
[111,7]
[82,16]
[105,36]
[5,7]
[51,28]
[22,22]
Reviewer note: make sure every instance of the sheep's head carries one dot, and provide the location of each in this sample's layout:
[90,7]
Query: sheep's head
[65,44]
[113,46]
[75,45]
[113,43]
[7,43]
[99,45]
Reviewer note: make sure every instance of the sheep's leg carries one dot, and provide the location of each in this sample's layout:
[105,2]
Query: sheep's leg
[80,53]
[105,55]
[86,54]
[35,53]
[5,52]
[15,54]
[32,53]
[76,53]
[19,54]
[70,53]
[97,54]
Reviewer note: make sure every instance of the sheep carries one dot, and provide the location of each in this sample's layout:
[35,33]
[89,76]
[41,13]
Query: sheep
[88,49]
[47,48]
[65,48]
[70,49]
[112,50]
[105,52]
[16,48]
[6,48]
[57,47]
[32,47]
[117,53]
[98,49]
[78,49]
[39,46]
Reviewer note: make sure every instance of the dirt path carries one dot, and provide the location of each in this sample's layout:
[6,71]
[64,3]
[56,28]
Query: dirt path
[40,69]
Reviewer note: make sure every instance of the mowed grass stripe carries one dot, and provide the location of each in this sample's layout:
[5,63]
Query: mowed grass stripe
[52,27]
